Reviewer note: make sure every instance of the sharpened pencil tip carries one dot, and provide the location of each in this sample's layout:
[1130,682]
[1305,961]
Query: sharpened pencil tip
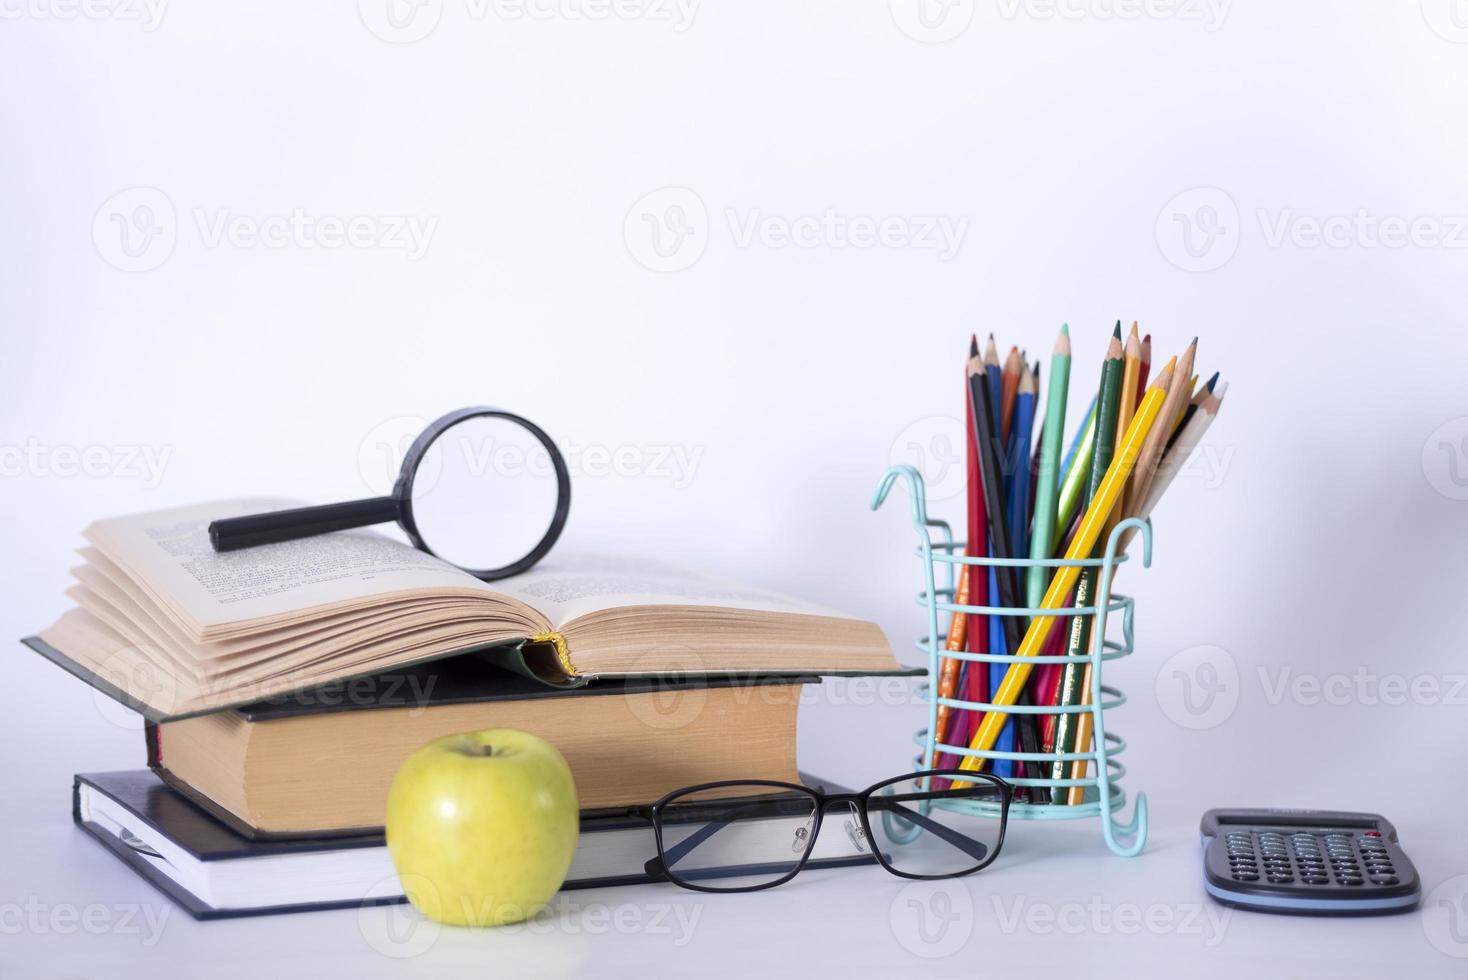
[1212,381]
[1117,332]
[1065,329]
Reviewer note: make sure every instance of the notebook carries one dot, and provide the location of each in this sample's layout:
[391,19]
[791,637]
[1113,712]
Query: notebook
[211,872]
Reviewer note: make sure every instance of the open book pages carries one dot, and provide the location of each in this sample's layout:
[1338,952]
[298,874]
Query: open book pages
[182,629]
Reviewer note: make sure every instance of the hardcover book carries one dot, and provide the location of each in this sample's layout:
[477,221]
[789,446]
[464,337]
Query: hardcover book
[174,629]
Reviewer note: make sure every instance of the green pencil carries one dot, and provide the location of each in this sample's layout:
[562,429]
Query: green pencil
[1108,408]
[1073,487]
[1047,490]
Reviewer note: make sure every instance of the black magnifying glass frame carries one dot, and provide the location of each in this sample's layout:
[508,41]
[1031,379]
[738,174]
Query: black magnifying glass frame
[234,533]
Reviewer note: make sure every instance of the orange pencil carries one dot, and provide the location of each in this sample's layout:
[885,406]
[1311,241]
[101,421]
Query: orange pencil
[1008,388]
[948,676]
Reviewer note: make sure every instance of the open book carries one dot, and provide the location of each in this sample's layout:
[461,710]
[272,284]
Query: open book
[173,628]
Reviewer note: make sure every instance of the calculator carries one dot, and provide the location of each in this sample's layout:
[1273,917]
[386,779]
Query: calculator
[1307,862]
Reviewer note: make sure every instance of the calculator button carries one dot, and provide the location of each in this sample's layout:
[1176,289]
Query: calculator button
[1245,876]
[1353,881]
[1373,833]
[1315,880]
[1384,879]
[1281,879]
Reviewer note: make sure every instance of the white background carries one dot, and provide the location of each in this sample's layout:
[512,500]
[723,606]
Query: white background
[1324,547]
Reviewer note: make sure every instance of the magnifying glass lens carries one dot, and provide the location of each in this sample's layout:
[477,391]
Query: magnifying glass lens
[484,494]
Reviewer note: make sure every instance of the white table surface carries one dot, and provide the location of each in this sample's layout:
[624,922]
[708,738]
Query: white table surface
[1055,896]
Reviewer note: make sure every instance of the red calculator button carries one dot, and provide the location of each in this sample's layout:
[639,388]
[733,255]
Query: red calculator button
[1373,833]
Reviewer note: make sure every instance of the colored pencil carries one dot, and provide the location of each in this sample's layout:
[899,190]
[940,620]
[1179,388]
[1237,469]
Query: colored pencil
[1188,413]
[1073,487]
[1131,377]
[973,675]
[1008,387]
[948,675]
[991,478]
[1207,403]
[1064,580]
[1113,372]
[1146,365]
[1047,476]
[1172,406]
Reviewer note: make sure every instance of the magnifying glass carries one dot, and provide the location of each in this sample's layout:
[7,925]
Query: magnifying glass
[488,488]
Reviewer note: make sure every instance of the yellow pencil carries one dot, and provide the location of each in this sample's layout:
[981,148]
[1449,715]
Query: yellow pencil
[1130,378]
[1081,544]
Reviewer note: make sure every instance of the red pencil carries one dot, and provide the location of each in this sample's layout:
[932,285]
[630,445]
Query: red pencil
[1146,366]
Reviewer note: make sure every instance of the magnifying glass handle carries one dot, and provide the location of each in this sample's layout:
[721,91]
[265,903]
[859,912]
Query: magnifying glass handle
[300,522]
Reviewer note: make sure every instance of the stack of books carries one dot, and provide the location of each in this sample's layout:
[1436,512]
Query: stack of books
[283,686]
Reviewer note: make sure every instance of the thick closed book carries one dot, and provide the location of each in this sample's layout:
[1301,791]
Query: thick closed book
[321,762]
[211,872]
[172,628]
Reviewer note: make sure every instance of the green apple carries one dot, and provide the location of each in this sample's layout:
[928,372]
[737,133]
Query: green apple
[482,826]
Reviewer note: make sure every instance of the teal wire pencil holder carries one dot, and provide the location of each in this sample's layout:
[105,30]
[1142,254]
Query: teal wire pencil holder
[942,556]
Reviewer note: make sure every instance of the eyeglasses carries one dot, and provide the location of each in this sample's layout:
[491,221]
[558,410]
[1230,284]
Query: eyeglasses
[744,835]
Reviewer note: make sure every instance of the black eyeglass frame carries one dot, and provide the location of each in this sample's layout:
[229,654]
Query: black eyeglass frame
[658,867]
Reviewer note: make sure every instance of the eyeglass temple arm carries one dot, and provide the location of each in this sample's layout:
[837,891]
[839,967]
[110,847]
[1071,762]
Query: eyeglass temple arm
[974,849]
